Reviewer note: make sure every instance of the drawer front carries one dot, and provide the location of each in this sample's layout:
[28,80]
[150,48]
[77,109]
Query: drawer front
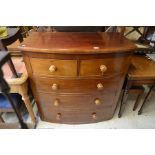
[102,67]
[77,85]
[54,68]
[75,102]
[76,109]
[78,117]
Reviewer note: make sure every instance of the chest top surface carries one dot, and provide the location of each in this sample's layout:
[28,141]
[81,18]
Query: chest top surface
[76,43]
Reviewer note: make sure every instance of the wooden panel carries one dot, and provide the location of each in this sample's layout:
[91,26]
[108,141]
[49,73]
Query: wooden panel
[75,102]
[76,109]
[76,43]
[78,117]
[77,85]
[62,67]
[113,66]
[76,58]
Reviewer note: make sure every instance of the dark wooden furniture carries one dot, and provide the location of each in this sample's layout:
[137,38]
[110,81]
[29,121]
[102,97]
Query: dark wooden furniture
[147,98]
[141,72]
[13,35]
[76,77]
[20,86]
[4,88]
[139,91]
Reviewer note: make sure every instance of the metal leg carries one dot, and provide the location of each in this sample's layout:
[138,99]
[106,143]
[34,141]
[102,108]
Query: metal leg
[146,99]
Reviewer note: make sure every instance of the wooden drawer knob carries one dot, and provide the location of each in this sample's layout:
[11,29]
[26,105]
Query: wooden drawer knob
[98,101]
[99,86]
[56,102]
[52,68]
[94,115]
[55,86]
[103,68]
[58,117]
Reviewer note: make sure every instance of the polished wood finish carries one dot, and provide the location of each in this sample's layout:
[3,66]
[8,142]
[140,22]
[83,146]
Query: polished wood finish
[76,101]
[76,43]
[54,67]
[103,67]
[76,77]
[71,85]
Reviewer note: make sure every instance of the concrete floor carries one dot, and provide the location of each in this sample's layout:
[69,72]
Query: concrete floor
[129,120]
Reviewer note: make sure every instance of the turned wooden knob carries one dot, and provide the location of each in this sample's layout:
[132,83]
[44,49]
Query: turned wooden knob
[52,68]
[94,115]
[54,86]
[99,86]
[103,68]
[98,101]
[58,117]
[56,102]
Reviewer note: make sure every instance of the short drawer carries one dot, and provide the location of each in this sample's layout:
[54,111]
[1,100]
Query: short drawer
[99,85]
[101,67]
[50,67]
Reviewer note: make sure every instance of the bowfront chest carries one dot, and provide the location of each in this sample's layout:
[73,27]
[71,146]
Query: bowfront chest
[76,77]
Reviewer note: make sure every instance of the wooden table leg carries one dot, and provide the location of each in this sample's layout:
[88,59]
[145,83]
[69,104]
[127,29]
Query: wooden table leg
[124,98]
[138,100]
[146,99]
[25,97]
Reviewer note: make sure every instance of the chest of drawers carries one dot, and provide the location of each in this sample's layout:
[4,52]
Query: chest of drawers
[76,77]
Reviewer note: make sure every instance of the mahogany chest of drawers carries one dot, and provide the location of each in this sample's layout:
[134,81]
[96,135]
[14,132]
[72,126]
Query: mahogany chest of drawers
[76,77]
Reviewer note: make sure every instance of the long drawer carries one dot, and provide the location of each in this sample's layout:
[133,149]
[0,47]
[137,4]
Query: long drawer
[76,117]
[75,102]
[76,85]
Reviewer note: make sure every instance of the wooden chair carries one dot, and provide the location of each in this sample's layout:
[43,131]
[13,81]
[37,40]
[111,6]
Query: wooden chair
[141,72]
[4,89]
[20,85]
[19,82]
